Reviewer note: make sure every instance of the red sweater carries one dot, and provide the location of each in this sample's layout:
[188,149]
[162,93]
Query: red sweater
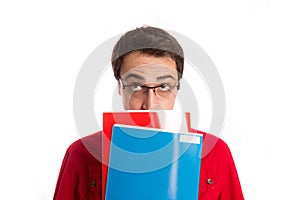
[80,176]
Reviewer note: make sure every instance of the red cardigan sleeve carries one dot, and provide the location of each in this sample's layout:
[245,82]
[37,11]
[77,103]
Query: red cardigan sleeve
[80,173]
[219,178]
[231,185]
[67,180]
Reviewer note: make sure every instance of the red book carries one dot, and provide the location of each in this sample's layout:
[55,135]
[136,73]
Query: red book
[188,121]
[145,119]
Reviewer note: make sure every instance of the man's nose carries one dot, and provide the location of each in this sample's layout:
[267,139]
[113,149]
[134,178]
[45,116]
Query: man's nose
[151,100]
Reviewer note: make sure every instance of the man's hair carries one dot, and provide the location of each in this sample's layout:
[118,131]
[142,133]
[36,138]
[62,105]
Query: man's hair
[150,41]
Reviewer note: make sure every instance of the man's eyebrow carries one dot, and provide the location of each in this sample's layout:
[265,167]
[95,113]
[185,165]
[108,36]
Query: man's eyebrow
[165,77]
[131,75]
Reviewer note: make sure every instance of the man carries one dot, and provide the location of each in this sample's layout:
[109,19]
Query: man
[148,65]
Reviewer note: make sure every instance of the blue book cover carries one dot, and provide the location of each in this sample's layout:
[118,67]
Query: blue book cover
[148,163]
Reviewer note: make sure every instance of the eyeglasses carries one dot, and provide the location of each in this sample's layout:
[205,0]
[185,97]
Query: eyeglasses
[137,90]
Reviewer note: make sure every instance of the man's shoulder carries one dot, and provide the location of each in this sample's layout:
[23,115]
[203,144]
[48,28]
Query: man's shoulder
[86,150]
[218,166]
[92,140]
[212,144]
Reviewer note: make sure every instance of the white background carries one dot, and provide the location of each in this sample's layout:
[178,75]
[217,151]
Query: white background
[254,44]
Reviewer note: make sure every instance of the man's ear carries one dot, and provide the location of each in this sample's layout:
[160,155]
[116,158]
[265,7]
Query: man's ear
[119,88]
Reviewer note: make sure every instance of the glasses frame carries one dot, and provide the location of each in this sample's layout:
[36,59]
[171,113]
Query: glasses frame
[153,88]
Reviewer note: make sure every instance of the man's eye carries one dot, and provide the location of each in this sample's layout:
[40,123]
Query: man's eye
[164,87]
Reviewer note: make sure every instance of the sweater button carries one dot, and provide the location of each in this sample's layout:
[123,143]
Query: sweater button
[209,181]
[93,184]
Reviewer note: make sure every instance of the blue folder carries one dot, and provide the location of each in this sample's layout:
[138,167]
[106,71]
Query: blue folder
[148,163]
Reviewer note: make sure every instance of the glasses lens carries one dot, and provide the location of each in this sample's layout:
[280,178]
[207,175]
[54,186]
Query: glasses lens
[166,90]
[137,93]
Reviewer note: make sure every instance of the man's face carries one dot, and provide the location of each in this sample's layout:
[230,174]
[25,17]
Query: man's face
[148,82]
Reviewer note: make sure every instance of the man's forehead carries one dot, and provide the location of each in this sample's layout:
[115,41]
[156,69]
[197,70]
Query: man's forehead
[151,71]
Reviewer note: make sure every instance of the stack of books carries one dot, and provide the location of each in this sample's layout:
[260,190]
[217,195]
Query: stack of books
[150,155]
